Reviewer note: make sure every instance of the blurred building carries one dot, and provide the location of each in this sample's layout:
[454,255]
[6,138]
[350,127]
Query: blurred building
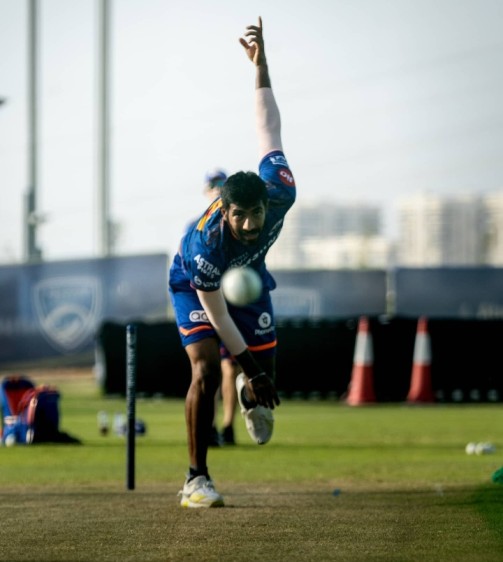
[433,231]
[493,205]
[331,236]
[450,231]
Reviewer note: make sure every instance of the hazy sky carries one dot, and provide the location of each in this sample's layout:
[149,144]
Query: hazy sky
[380,99]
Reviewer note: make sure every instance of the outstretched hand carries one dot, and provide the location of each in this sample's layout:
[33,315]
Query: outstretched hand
[262,390]
[254,43]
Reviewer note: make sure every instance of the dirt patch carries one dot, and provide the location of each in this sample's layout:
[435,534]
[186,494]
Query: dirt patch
[294,522]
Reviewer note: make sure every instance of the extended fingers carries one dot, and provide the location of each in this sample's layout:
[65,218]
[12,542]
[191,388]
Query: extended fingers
[272,401]
[254,33]
[251,41]
[255,30]
[254,42]
[244,43]
[258,27]
[267,396]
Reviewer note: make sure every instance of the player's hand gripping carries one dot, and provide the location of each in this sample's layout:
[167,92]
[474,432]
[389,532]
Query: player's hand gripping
[261,389]
[254,46]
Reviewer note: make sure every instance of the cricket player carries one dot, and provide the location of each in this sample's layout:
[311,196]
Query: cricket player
[237,229]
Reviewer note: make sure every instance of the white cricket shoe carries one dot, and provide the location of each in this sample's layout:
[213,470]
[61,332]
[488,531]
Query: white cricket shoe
[259,420]
[200,492]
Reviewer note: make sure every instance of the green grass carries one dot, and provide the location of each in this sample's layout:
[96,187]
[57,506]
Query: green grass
[406,488]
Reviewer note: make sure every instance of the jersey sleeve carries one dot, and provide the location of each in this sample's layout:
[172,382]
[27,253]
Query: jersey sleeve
[275,171]
[203,266]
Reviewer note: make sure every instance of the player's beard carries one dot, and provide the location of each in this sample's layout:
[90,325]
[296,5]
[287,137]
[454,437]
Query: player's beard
[250,238]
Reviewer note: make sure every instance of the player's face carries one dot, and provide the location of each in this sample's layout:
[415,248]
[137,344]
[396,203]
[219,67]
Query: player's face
[246,224]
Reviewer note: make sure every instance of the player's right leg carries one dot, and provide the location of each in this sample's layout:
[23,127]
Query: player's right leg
[202,347]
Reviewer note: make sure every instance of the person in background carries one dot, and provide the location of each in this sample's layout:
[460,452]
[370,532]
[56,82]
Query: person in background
[213,182]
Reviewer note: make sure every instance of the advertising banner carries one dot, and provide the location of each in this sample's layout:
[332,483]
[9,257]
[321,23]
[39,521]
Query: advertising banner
[53,309]
[329,293]
[449,292]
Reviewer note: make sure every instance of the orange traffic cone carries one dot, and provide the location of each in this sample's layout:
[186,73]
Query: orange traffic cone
[361,386]
[420,386]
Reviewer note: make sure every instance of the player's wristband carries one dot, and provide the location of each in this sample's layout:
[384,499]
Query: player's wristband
[248,364]
[257,377]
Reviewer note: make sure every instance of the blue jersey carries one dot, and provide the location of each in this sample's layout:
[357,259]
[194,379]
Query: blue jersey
[208,248]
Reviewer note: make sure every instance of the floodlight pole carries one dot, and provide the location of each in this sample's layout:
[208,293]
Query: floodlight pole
[104,226]
[31,220]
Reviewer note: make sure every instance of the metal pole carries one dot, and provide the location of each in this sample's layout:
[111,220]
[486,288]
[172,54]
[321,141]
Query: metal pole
[104,227]
[31,252]
[131,374]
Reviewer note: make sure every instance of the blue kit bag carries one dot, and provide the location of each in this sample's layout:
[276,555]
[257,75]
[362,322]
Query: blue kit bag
[30,414]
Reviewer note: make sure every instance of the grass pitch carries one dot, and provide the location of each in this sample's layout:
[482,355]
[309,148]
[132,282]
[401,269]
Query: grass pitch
[382,482]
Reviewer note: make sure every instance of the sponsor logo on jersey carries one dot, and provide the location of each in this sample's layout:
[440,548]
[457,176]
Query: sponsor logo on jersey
[198,316]
[265,324]
[265,331]
[245,259]
[286,177]
[205,284]
[206,267]
[265,320]
[278,160]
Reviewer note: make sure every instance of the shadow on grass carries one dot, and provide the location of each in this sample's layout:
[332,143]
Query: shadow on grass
[488,500]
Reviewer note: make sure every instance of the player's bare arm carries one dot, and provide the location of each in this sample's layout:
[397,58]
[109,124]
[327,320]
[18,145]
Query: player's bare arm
[268,121]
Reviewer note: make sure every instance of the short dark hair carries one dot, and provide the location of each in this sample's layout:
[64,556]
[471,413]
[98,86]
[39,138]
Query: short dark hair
[245,189]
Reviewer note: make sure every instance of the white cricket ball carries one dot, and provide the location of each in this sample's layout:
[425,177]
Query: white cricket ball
[471,448]
[241,285]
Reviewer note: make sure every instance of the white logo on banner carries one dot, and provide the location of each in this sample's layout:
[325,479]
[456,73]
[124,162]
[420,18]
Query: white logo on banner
[68,309]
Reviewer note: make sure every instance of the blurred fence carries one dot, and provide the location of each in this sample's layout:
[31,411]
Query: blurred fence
[315,358]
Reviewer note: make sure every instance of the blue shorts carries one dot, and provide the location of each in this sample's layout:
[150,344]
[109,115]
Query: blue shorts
[255,321]
[225,354]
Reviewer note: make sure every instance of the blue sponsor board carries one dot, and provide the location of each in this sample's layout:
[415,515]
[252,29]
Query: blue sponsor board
[449,292]
[54,309]
[329,293]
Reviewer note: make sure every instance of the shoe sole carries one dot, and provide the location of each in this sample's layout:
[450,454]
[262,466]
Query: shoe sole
[267,414]
[239,387]
[187,503]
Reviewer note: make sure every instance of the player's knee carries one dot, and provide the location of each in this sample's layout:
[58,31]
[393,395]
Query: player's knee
[206,375]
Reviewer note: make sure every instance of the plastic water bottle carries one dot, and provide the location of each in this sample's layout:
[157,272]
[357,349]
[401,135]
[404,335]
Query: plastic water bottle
[103,425]
[120,424]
